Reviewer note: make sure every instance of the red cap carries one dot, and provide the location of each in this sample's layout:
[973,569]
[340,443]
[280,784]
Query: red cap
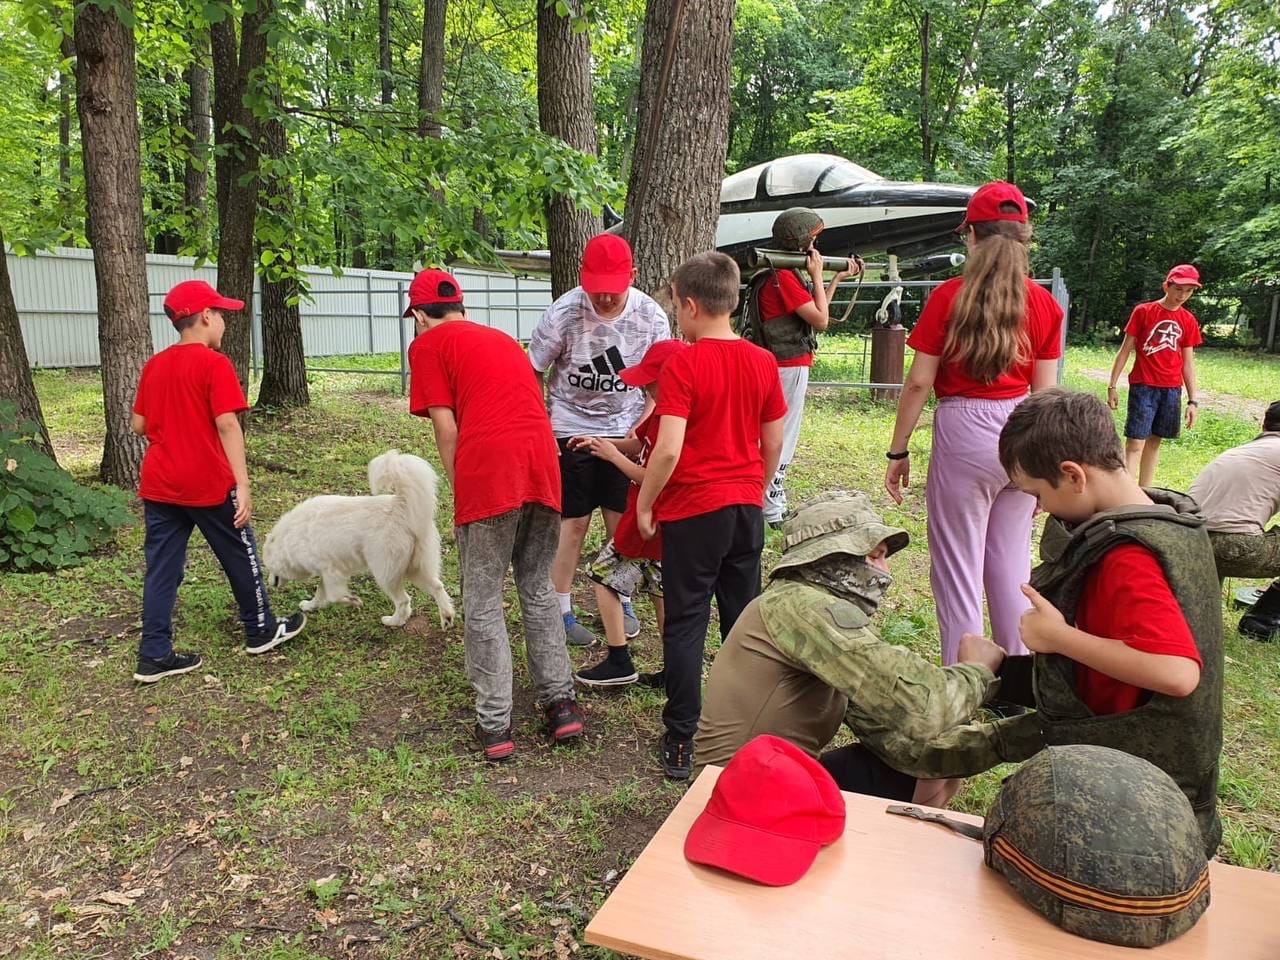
[1184,273]
[191,296]
[984,205]
[606,264]
[773,808]
[655,358]
[433,286]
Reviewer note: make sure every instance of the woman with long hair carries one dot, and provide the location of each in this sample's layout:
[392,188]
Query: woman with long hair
[983,341]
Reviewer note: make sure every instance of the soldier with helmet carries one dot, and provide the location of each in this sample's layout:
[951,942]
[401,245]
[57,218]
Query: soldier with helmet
[803,658]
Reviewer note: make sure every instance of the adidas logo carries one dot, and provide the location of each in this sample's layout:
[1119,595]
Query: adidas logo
[600,373]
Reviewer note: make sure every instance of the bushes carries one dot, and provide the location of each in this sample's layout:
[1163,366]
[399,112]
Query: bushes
[47,520]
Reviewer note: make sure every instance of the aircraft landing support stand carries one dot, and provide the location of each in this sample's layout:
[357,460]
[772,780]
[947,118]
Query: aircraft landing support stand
[888,338]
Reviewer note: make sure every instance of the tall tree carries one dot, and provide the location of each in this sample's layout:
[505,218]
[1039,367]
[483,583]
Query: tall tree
[198,133]
[431,68]
[673,195]
[15,370]
[106,101]
[237,62]
[284,372]
[566,109]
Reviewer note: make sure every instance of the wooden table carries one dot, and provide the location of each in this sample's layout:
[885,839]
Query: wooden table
[891,888]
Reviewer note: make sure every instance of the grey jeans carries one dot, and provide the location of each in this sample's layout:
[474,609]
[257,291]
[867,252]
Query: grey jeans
[525,539]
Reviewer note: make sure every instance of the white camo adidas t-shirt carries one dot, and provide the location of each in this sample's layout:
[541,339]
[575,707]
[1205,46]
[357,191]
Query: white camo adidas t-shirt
[584,354]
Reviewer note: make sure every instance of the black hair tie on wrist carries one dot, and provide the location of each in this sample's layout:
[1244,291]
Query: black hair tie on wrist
[897,456]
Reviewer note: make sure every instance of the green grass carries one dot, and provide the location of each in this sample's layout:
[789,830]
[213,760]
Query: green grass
[330,794]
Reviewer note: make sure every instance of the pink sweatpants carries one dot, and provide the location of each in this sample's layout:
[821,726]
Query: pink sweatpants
[979,525]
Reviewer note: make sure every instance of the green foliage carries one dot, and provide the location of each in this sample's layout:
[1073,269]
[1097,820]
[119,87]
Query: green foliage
[46,519]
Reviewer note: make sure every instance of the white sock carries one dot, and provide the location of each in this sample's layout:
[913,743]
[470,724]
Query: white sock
[566,602]
[624,599]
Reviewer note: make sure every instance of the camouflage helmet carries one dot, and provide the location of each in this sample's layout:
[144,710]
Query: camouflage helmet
[793,228]
[837,522]
[1101,842]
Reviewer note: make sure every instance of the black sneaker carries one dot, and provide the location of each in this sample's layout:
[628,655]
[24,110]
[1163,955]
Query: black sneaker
[149,670]
[654,681]
[1003,709]
[608,673]
[284,630]
[498,745]
[677,757]
[565,720]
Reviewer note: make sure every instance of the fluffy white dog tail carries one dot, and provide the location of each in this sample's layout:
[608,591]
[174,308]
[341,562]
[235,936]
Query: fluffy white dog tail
[412,480]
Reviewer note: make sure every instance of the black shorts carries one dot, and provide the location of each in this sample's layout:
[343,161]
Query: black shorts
[587,482]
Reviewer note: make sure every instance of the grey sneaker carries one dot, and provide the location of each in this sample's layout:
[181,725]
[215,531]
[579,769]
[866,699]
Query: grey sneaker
[630,623]
[575,634]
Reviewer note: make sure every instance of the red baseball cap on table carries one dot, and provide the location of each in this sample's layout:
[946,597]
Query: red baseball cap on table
[606,264]
[984,205]
[773,808]
[191,296]
[431,287]
[655,358]
[1184,273]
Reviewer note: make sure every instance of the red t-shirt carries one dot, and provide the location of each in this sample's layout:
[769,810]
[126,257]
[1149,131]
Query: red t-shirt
[506,455]
[724,389]
[182,390]
[1127,598]
[1043,325]
[1160,336]
[781,298]
[626,536]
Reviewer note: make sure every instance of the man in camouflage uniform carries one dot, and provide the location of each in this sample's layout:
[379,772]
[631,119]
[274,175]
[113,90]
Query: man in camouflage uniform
[803,657]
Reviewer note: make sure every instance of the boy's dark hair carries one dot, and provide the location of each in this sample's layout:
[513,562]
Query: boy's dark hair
[1271,419]
[438,311]
[710,280]
[184,322]
[1055,425]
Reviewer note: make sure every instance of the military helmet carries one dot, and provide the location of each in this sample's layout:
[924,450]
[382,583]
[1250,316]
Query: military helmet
[1101,842]
[837,522]
[793,228]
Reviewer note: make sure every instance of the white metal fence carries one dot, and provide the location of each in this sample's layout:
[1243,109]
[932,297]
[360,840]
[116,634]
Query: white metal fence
[356,313]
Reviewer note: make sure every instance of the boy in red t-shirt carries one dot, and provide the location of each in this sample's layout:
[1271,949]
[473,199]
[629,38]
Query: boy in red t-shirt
[495,443]
[1130,637]
[627,561]
[720,411]
[194,475]
[1161,335]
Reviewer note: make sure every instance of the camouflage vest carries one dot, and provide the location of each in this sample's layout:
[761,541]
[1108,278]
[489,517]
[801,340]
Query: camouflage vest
[787,336]
[1180,735]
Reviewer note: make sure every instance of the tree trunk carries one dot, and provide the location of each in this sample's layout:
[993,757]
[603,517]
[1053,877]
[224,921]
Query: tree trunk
[238,132]
[16,384]
[107,103]
[431,68]
[682,133]
[199,121]
[566,109]
[384,49]
[1010,167]
[926,145]
[284,372]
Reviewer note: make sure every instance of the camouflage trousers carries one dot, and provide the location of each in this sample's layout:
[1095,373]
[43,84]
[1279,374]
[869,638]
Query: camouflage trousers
[1247,555]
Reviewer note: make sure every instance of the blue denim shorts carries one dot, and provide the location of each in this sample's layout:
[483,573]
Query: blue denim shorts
[1153,410]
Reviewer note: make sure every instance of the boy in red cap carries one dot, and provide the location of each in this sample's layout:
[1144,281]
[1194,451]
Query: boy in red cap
[720,412]
[495,444]
[627,562]
[1160,335]
[582,343]
[194,475]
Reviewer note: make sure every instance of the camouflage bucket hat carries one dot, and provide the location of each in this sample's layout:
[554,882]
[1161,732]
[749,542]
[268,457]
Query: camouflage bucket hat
[1104,844]
[838,522]
[792,228]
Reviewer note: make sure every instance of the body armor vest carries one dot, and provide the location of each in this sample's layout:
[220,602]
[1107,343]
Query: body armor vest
[787,336]
[1180,735]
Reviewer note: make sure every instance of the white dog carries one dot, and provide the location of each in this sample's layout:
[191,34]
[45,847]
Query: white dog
[392,535]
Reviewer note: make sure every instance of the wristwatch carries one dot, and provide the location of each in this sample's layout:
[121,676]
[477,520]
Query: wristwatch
[890,455]
[1193,403]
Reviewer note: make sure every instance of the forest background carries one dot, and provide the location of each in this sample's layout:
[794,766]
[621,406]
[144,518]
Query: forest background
[1149,132]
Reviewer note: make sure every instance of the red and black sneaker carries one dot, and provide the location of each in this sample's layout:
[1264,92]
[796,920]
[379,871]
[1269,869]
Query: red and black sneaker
[498,744]
[565,720]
